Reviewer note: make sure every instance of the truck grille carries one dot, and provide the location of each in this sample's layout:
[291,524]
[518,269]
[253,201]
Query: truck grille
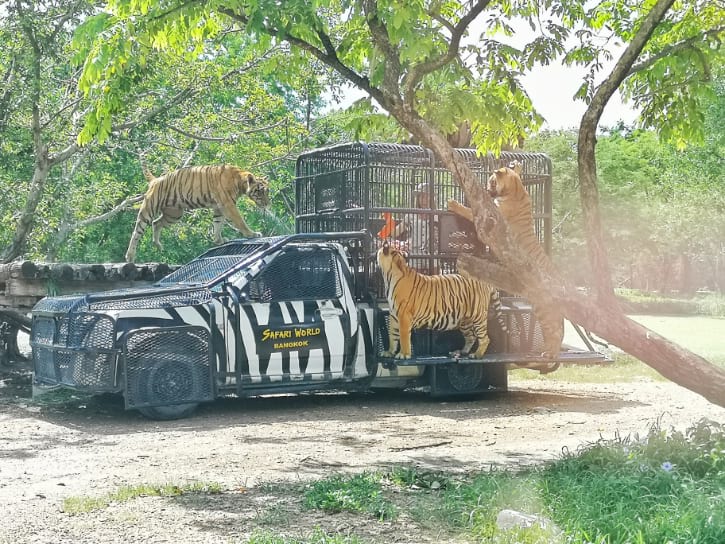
[75,350]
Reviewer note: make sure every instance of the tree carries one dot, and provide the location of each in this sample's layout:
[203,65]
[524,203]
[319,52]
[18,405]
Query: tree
[408,58]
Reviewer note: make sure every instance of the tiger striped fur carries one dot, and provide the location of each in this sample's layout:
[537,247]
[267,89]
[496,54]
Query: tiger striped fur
[440,302]
[215,187]
[514,203]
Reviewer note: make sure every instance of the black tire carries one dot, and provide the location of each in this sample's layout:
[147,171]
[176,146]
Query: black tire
[465,378]
[168,381]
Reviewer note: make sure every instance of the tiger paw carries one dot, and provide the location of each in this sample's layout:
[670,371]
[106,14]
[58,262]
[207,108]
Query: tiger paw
[402,355]
[256,235]
[387,354]
[455,206]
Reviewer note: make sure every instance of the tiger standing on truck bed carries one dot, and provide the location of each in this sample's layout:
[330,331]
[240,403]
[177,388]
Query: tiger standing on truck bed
[438,302]
[215,187]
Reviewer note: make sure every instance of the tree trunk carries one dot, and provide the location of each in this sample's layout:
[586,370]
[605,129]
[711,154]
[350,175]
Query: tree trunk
[27,218]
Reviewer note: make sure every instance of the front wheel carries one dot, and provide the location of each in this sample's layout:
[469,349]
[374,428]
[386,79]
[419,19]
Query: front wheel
[168,381]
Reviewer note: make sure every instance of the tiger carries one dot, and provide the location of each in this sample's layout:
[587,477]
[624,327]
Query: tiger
[215,187]
[514,203]
[439,302]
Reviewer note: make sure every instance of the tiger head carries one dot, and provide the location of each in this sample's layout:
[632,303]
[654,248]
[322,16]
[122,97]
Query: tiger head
[390,258]
[506,182]
[256,188]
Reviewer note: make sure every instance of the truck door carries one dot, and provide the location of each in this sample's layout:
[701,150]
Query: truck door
[298,316]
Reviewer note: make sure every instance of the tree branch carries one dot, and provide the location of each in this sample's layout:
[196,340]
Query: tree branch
[589,194]
[391,77]
[412,79]
[7,92]
[674,48]
[330,58]
[231,138]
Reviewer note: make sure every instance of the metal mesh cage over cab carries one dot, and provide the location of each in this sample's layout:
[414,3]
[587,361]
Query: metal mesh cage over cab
[359,186]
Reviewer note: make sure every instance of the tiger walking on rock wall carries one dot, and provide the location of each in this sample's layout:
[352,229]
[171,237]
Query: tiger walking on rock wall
[514,203]
[215,187]
[439,302]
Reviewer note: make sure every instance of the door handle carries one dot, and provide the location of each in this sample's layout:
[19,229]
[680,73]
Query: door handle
[329,313]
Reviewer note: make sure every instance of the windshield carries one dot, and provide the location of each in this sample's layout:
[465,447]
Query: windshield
[211,264]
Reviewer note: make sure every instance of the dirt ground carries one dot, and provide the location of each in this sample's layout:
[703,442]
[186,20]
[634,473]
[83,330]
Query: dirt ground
[90,447]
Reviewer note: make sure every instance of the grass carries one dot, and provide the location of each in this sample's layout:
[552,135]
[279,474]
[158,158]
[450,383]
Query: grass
[702,335]
[642,302]
[666,486]
[358,493]
[80,505]
[317,537]
[625,368]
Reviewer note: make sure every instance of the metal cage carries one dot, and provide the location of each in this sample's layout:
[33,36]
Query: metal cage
[374,186]
[359,186]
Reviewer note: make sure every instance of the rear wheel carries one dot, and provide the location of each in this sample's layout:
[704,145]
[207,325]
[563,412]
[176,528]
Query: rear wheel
[167,413]
[168,381]
[465,378]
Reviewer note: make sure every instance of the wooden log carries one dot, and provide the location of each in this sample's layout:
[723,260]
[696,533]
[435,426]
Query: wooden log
[61,272]
[23,269]
[39,288]
[98,271]
[4,272]
[161,270]
[19,303]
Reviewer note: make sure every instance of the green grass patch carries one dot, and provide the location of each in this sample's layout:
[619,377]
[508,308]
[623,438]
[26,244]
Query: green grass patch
[80,505]
[317,537]
[664,487]
[702,335]
[358,493]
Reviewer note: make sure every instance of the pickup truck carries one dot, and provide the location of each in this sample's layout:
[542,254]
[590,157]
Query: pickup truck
[286,314]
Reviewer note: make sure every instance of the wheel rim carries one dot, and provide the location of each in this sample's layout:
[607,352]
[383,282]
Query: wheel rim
[171,381]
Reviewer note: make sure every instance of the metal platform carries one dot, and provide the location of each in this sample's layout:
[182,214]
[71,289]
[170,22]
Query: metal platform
[565,357]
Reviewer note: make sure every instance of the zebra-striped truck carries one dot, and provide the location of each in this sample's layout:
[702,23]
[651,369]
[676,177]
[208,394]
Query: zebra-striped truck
[295,313]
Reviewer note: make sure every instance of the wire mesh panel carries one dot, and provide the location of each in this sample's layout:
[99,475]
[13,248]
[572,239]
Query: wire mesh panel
[211,264]
[76,350]
[299,273]
[168,366]
[525,334]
